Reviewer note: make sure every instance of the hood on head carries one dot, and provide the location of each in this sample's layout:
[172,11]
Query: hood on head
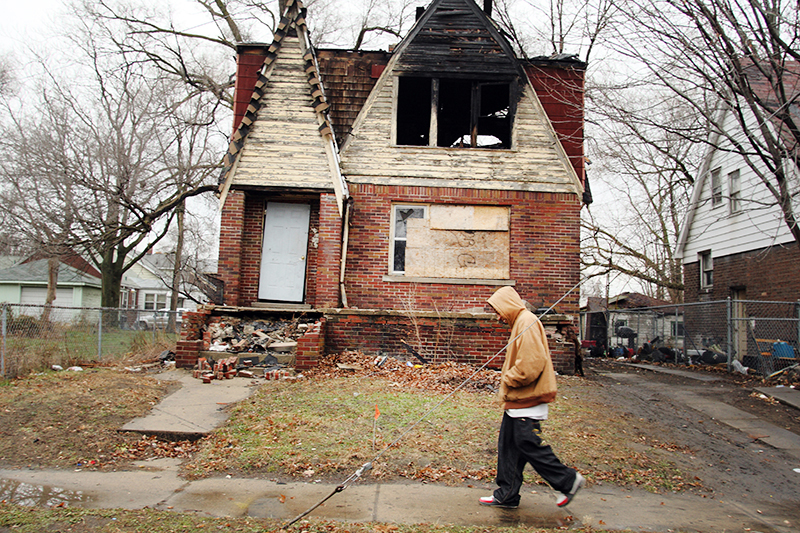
[507,303]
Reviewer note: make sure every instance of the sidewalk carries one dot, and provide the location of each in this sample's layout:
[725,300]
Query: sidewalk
[196,408]
[158,486]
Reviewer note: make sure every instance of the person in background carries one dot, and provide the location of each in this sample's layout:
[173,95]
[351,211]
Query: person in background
[570,336]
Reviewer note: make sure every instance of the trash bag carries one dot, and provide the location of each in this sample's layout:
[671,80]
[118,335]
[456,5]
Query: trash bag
[739,367]
[713,358]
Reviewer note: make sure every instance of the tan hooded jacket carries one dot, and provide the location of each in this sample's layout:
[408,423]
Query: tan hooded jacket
[528,377]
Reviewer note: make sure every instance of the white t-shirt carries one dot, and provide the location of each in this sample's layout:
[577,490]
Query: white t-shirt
[537,412]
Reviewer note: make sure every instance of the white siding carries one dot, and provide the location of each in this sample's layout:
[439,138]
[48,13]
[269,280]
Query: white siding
[536,161]
[758,224]
[284,147]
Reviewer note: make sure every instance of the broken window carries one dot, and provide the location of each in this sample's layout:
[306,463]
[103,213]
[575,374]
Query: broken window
[450,241]
[414,126]
[401,215]
[453,113]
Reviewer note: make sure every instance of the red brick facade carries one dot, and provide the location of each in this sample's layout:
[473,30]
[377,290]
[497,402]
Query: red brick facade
[768,274]
[241,233]
[465,339]
[544,248]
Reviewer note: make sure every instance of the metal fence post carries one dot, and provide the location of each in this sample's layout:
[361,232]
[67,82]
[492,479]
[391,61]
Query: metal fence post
[3,351]
[100,336]
[798,322]
[729,309]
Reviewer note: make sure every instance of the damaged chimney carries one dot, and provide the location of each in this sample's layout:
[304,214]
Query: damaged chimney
[420,11]
[249,59]
[487,7]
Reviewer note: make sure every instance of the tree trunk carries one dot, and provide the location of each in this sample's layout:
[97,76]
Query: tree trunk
[53,264]
[112,279]
[180,211]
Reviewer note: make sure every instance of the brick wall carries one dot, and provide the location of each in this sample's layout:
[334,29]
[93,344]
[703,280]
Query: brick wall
[328,261]
[544,260]
[230,245]
[768,274]
[464,339]
[310,347]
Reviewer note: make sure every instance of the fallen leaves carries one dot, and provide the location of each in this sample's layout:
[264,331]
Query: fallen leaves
[442,377]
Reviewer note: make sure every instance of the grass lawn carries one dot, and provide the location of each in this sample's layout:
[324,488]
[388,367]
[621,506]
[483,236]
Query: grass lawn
[322,426]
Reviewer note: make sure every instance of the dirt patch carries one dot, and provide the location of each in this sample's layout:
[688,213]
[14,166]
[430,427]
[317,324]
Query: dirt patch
[71,419]
[730,463]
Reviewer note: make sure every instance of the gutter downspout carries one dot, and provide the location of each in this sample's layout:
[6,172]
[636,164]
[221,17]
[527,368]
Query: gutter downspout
[348,208]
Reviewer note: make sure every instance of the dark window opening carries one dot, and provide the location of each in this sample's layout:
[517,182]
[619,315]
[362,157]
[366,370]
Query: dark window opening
[455,113]
[414,111]
[494,118]
[468,113]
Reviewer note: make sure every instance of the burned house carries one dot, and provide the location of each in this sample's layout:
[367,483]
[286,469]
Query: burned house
[390,194]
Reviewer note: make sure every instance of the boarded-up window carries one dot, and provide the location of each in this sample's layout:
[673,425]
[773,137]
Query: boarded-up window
[450,241]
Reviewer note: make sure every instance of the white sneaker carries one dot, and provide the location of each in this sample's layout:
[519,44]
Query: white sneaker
[491,502]
[576,486]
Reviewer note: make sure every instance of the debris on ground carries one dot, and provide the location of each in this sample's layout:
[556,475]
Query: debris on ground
[442,377]
[788,377]
[236,335]
[150,446]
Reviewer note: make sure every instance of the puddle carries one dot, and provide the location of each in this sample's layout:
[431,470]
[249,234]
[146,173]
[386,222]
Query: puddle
[27,494]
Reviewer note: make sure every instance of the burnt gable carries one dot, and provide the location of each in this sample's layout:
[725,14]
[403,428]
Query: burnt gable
[455,38]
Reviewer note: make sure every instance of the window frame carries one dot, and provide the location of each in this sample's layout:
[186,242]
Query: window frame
[393,238]
[706,263]
[716,187]
[154,305]
[735,191]
[435,112]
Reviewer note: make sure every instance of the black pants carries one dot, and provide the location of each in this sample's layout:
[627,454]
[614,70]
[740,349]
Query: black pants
[521,442]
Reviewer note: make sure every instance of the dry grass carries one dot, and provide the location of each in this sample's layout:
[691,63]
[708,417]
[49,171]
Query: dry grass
[69,419]
[322,428]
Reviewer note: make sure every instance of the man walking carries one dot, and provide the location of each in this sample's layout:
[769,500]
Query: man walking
[527,385]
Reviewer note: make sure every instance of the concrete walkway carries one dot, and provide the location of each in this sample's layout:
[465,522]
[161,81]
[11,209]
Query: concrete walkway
[750,424]
[157,485]
[196,408]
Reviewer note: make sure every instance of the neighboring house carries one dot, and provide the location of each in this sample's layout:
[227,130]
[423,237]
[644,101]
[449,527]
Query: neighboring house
[735,242]
[646,317]
[25,283]
[376,187]
[146,286]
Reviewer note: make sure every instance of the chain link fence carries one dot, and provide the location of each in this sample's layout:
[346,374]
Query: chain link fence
[35,337]
[760,335]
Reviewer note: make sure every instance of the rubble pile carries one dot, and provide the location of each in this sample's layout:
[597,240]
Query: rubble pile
[237,335]
[443,377]
[789,377]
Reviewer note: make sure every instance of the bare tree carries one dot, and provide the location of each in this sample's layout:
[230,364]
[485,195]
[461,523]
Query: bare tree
[555,27]
[647,173]
[728,59]
[110,164]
